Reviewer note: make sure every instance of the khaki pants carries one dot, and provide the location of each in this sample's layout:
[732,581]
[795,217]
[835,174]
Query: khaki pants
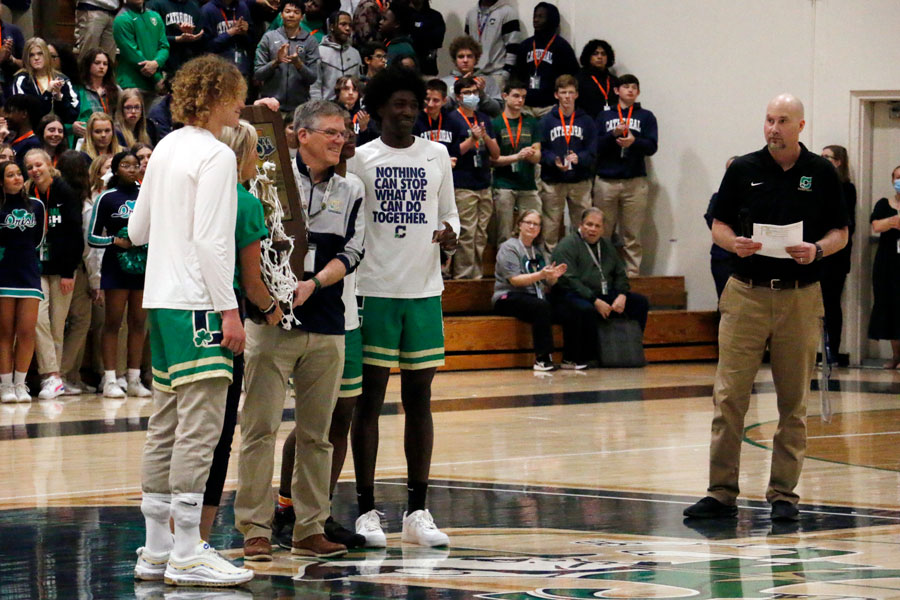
[94,29]
[51,325]
[475,208]
[272,356]
[78,324]
[181,436]
[554,197]
[624,202]
[508,205]
[538,112]
[791,321]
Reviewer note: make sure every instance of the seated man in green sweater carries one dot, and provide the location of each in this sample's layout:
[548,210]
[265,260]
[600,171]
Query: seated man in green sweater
[594,286]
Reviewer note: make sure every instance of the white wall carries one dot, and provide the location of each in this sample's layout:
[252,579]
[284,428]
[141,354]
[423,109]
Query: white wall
[707,69]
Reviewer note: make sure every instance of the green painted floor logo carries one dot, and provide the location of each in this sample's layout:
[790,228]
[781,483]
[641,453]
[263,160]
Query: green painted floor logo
[628,568]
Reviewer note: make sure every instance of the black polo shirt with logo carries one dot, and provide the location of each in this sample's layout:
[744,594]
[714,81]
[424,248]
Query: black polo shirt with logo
[756,189]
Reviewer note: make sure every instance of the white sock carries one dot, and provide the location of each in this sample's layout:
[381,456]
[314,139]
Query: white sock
[6,378]
[110,376]
[134,375]
[19,377]
[186,510]
[156,509]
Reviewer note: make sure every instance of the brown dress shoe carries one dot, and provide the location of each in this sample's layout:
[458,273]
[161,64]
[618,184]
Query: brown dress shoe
[317,545]
[258,549]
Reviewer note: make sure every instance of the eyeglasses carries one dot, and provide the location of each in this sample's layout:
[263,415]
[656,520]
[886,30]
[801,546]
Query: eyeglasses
[131,108]
[332,133]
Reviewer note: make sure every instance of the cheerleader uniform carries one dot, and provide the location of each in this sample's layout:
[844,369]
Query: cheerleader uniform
[22,229]
[120,269]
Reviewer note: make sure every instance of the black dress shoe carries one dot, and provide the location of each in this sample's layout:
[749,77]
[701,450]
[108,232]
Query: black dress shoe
[337,533]
[782,510]
[710,508]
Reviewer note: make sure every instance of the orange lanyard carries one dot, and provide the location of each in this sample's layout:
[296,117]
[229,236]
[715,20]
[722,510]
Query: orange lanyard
[567,131]
[314,32]
[515,145]
[628,121]
[436,136]
[103,102]
[380,5]
[459,110]
[537,62]
[23,136]
[606,91]
[37,193]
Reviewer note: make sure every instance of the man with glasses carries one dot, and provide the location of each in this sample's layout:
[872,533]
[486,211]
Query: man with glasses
[311,351]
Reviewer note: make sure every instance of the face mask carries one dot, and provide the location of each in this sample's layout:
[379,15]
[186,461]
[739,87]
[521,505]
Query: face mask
[897,185]
[470,101]
[106,177]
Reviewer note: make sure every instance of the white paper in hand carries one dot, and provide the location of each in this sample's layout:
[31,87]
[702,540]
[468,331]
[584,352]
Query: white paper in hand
[775,238]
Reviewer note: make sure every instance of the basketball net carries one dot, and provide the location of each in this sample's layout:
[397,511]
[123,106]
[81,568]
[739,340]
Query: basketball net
[275,263]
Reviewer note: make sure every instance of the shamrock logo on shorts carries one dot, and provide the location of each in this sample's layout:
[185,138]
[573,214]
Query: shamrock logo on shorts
[202,338]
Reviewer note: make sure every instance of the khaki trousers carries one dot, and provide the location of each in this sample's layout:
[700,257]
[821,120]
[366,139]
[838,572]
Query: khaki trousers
[94,29]
[508,205]
[791,322]
[554,197]
[624,202]
[475,208]
[272,356]
[181,436]
[78,323]
[51,325]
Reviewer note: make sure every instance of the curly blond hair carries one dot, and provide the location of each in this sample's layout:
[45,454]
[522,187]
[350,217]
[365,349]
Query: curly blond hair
[203,83]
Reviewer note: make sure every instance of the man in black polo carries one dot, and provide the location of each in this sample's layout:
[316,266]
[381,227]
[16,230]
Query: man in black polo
[768,299]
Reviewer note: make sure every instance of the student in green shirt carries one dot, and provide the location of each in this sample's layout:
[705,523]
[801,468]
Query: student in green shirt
[518,136]
[140,35]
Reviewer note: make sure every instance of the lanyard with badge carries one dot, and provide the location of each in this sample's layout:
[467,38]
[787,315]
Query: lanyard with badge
[604,285]
[516,166]
[567,132]
[45,247]
[605,92]
[532,263]
[436,135]
[534,82]
[238,53]
[476,159]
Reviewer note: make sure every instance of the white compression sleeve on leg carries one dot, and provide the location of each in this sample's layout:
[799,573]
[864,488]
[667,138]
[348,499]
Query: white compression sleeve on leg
[186,510]
[156,510]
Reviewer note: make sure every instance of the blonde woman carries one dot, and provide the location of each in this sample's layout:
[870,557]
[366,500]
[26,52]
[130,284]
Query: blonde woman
[100,137]
[131,119]
[38,78]
[59,260]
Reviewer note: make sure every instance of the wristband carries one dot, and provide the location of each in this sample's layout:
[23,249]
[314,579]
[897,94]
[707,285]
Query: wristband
[318,283]
[271,308]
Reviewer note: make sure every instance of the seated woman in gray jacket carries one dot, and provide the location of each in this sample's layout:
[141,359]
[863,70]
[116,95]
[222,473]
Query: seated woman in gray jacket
[523,281]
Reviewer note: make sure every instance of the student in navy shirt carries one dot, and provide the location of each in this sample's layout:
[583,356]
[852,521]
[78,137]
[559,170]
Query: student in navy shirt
[227,33]
[568,140]
[627,135]
[542,58]
[472,178]
[22,226]
[121,274]
[434,123]
[23,112]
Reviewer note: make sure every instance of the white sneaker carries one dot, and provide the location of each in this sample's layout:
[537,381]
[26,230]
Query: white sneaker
[111,389]
[51,387]
[8,392]
[150,566]
[369,526]
[205,567]
[71,389]
[120,381]
[137,389]
[22,393]
[419,528]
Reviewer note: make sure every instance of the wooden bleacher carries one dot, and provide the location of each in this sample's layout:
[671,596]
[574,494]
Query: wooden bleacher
[475,338]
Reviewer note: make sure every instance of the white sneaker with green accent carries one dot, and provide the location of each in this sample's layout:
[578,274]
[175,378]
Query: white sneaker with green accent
[150,566]
[419,528]
[205,567]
